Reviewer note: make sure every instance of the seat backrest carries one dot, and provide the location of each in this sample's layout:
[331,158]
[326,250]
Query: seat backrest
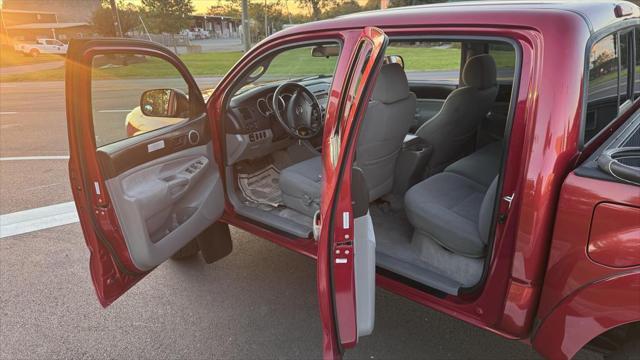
[451,130]
[387,120]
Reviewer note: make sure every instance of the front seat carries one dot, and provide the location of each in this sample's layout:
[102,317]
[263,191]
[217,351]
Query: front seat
[387,120]
[452,130]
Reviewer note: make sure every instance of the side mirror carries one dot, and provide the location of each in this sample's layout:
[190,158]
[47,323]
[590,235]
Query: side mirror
[394,59]
[170,103]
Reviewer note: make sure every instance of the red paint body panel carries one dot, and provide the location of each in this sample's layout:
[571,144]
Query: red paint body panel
[572,279]
[615,235]
[588,312]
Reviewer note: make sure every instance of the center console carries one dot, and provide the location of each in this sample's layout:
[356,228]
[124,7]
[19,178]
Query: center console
[413,158]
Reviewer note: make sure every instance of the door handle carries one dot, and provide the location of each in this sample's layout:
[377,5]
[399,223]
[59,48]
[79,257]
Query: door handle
[177,185]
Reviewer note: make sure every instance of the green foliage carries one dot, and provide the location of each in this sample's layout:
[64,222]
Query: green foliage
[102,18]
[316,7]
[167,16]
[399,3]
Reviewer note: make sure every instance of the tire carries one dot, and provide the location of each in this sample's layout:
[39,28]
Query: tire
[187,252]
[630,349]
[34,53]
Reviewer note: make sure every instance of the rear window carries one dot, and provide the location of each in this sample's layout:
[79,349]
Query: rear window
[609,80]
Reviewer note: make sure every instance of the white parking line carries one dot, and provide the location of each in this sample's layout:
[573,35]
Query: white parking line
[8,112]
[113,111]
[27,221]
[21,158]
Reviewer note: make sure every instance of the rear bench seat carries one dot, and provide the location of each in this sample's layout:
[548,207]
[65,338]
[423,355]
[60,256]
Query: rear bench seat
[454,208]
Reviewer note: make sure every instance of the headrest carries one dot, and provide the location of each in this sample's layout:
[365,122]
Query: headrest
[392,84]
[480,72]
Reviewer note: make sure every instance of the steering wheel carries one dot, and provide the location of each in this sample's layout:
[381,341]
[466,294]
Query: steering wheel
[301,117]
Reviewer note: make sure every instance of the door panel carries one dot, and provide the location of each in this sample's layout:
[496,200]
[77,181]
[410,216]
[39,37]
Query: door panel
[141,165]
[167,203]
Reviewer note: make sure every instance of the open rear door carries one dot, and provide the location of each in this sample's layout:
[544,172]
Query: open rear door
[346,249]
[142,169]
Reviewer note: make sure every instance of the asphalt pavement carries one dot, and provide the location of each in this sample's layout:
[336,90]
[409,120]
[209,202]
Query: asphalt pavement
[260,302]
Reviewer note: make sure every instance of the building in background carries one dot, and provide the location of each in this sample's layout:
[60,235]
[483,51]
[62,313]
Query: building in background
[217,26]
[28,20]
[71,11]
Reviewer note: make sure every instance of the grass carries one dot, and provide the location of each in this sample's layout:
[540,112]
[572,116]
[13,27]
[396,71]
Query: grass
[8,57]
[294,62]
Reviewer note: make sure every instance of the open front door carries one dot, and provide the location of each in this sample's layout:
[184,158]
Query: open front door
[142,169]
[346,248]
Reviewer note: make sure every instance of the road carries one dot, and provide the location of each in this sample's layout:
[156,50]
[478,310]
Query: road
[260,302]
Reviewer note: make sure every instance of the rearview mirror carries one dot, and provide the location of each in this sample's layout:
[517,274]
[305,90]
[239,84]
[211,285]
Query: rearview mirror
[170,103]
[325,51]
[394,59]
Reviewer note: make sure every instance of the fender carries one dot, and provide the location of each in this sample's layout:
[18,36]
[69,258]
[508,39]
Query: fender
[588,312]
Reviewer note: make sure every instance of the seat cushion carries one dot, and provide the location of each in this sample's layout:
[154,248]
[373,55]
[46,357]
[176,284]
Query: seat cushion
[482,166]
[446,207]
[301,185]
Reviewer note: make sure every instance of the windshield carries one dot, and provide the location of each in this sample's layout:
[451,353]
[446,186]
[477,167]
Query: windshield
[292,64]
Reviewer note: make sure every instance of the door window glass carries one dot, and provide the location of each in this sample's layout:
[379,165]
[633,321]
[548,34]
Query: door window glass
[505,56]
[429,61]
[135,94]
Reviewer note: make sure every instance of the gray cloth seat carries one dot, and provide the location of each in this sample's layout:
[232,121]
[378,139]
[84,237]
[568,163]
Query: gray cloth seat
[451,131]
[481,166]
[301,184]
[454,208]
[386,122]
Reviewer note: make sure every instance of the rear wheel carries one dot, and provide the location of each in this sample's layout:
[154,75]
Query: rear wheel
[187,252]
[34,53]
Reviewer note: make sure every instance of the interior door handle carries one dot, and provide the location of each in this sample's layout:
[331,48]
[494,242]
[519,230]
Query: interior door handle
[177,185]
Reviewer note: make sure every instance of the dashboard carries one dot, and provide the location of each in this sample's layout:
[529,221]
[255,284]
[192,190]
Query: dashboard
[251,127]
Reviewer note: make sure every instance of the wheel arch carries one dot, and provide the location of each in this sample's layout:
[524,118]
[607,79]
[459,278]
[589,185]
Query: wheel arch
[587,313]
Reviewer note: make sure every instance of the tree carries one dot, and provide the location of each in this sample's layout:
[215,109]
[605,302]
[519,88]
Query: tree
[231,10]
[102,19]
[316,6]
[342,8]
[167,16]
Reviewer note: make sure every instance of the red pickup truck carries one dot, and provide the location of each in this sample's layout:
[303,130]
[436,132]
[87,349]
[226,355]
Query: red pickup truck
[481,159]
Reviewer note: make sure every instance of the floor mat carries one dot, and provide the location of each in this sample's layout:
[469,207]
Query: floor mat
[262,186]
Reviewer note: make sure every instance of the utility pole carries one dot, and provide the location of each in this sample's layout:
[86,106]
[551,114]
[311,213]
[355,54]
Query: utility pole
[116,19]
[266,21]
[245,25]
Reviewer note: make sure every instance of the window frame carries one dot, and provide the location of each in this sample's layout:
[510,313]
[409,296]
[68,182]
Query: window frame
[630,75]
[615,30]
